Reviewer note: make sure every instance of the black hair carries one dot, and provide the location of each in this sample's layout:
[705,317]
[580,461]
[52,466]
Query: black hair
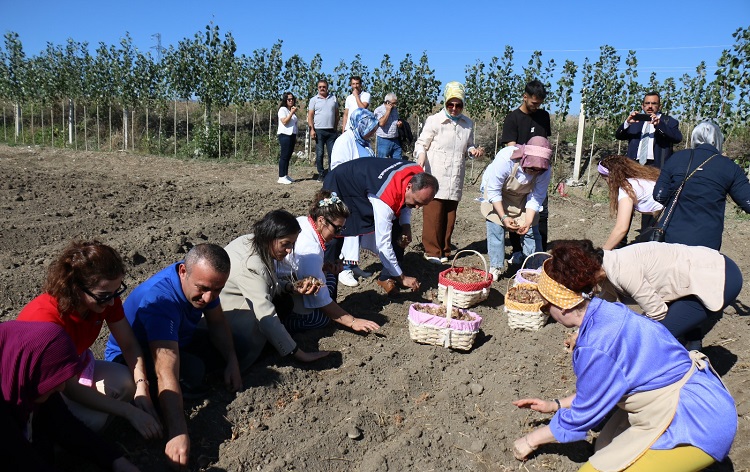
[284,97]
[275,224]
[536,89]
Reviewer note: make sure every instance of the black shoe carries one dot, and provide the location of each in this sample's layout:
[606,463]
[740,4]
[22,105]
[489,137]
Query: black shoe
[321,178]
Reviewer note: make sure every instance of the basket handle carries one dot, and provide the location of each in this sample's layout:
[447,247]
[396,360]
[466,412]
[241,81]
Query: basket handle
[484,262]
[523,266]
[448,315]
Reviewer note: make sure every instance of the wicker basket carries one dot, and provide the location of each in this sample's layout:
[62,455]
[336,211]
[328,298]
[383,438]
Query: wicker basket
[525,316]
[465,295]
[524,271]
[447,332]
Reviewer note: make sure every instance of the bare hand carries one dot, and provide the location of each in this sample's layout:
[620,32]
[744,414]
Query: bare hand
[422,159]
[536,404]
[510,224]
[294,110]
[399,123]
[630,119]
[655,119]
[178,451]
[477,152]
[307,287]
[123,465]
[364,326]
[312,134]
[146,424]
[570,341]
[232,375]
[410,282]
[522,449]
[523,229]
[303,356]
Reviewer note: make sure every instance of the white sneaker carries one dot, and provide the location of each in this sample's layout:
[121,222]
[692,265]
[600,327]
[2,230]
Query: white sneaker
[346,277]
[283,180]
[496,273]
[363,274]
[516,259]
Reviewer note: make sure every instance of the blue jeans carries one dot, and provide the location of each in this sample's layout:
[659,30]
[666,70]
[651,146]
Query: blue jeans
[286,143]
[389,147]
[531,242]
[324,137]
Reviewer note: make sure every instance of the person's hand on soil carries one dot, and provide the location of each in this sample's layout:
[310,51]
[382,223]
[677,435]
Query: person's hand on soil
[123,465]
[536,404]
[142,401]
[178,451]
[147,425]
[409,282]
[522,449]
[364,326]
[570,341]
[232,375]
[303,356]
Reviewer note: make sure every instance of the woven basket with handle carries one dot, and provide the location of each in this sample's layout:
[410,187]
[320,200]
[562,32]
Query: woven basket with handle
[525,316]
[444,331]
[465,294]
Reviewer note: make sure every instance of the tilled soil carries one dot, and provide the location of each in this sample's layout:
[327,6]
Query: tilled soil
[380,402]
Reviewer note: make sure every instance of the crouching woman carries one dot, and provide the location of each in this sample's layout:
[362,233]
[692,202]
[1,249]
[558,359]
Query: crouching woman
[671,415]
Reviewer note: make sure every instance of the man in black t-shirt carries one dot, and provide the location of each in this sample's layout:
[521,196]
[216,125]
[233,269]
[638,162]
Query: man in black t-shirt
[522,124]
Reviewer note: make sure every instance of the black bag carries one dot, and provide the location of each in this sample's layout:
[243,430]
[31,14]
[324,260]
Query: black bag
[652,233]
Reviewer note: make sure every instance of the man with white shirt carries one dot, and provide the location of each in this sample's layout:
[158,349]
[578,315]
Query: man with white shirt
[381,195]
[650,138]
[356,99]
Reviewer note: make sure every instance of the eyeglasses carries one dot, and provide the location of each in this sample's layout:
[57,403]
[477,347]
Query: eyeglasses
[651,103]
[290,99]
[322,87]
[458,105]
[336,228]
[104,299]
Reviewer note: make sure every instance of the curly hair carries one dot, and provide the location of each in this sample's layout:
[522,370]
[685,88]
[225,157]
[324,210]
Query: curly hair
[332,211]
[575,264]
[622,168]
[81,264]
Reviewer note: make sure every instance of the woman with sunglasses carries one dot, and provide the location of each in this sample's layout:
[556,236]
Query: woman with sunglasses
[631,188]
[670,415]
[441,150]
[38,360]
[287,134]
[82,291]
[514,188]
[257,301]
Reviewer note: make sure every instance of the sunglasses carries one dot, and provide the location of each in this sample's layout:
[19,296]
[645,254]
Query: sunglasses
[336,228]
[457,105]
[104,299]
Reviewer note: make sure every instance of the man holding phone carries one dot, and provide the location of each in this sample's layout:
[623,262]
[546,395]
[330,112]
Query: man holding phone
[650,134]
[387,133]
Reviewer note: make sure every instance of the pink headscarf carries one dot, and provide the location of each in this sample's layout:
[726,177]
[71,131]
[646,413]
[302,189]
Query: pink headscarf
[535,153]
[35,357]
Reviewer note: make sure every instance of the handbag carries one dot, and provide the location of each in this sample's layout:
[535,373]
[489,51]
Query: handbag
[657,231]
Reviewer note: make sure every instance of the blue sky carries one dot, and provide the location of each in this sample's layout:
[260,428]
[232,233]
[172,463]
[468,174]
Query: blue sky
[670,37]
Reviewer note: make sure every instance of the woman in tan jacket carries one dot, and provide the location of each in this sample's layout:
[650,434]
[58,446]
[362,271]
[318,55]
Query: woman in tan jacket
[441,150]
[680,286]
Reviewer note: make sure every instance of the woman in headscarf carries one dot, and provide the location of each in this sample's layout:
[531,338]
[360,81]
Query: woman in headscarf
[698,215]
[441,150]
[36,361]
[353,144]
[631,188]
[674,414]
[515,186]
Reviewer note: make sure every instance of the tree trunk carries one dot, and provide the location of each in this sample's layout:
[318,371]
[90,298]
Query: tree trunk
[71,119]
[270,117]
[219,134]
[175,128]
[125,128]
[23,134]
[148,138]
[252,136]
[497,135]
[62,120]
[75,122]
[235,131]
[98,147]
[17,120]
[85,130]
[33,138]
[41,117]
[52,123]
[132,129]
[5,125]
[160,133]
[110,127]
[187,123]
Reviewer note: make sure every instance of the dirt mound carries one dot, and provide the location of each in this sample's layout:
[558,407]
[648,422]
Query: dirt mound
[381,402]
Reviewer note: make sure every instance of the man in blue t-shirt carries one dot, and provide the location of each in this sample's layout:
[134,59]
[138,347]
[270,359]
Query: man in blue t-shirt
[164,312]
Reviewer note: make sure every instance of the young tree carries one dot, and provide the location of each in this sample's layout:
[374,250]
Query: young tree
[14,76]
[564,92]
[383,79]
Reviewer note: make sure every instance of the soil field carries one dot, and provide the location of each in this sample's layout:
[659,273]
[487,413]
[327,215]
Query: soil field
[381,402]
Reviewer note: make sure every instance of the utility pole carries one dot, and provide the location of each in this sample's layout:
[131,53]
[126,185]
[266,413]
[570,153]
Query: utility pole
[159,48]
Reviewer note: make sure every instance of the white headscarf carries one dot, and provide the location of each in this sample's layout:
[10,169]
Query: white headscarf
[707,132]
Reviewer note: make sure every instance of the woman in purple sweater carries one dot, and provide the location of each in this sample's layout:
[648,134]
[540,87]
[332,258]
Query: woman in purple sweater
[670,415]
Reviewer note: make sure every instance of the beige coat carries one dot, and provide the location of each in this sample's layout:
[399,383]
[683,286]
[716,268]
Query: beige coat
[446,143]
[653,274]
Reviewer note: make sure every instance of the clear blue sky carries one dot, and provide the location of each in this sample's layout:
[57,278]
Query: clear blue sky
[670,37]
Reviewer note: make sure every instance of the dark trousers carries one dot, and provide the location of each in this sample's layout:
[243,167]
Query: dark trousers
[687,317]
[324,137]
[333,249]
[439,219]
[286,143]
